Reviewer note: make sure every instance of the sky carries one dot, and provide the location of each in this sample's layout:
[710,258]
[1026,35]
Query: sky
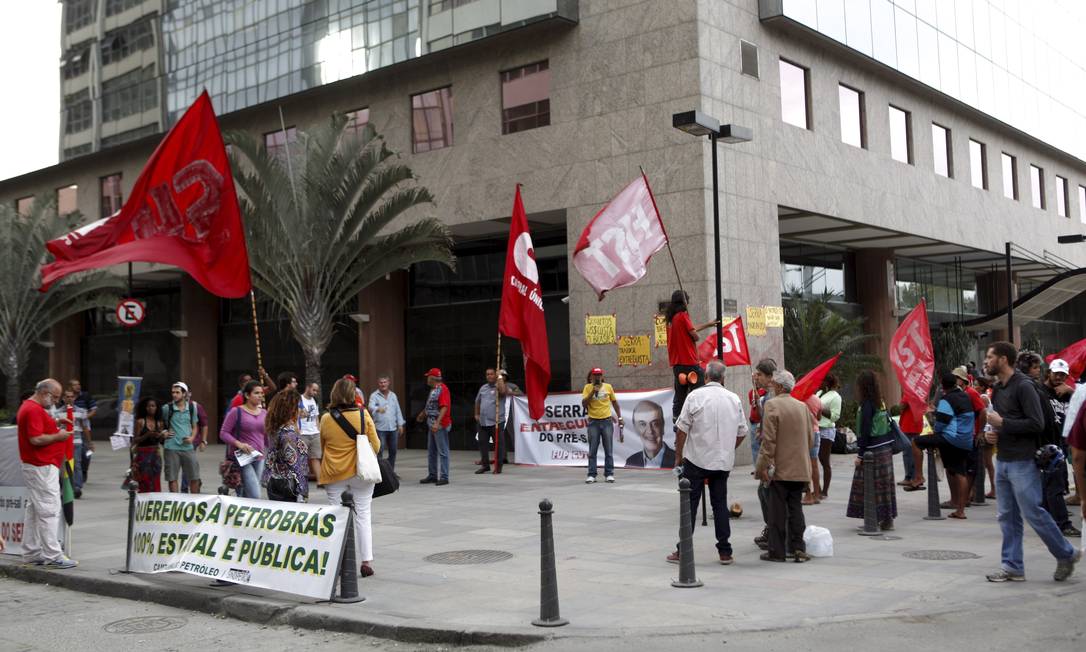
[30,114]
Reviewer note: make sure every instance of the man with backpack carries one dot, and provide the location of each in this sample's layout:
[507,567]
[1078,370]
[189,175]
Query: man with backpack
[181,427]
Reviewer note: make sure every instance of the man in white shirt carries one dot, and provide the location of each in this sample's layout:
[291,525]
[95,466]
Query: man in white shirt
[388,418]
[309,429]
[710,424]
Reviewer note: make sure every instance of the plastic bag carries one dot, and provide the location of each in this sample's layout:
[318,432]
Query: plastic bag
[819,541]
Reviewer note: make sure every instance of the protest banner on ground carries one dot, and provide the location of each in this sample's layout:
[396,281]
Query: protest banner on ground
[560,437]
[290,547]
[12,510]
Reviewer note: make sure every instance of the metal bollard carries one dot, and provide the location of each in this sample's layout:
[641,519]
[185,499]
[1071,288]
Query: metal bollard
[687,576]
[132,487]
[549,615]
[978,481]
[871,508]
[348,567]
[224,490]
[934,513]
[704,509]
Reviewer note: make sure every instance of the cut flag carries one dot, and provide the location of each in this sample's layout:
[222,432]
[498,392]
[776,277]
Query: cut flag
[182,211]
[913,358]
[521,314]
[1075,357]
[735,349]
[806,386]
[617,244]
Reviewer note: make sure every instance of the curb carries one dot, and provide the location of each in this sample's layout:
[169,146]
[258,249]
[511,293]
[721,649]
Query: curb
[266,611]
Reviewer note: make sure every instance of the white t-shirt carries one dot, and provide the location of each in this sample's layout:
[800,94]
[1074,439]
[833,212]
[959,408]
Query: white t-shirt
[309,417]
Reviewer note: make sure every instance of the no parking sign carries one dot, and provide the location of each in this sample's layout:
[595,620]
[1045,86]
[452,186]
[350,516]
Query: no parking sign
[130,312]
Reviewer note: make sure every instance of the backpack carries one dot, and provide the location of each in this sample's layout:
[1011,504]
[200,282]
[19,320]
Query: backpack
[192,412]
[1051,434]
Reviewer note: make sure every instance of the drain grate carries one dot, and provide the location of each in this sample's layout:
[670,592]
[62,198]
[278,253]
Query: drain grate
[146,625]
[462,557]
[939,555]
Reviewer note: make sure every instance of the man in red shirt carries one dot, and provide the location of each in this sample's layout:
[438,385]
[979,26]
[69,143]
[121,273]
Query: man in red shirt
[912,424]
[682,352]
[438,417]
[42,451]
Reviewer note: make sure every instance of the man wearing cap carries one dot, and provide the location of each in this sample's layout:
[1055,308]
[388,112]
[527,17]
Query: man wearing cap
[181,428]
[598,398]
[1054,483]
[438,419]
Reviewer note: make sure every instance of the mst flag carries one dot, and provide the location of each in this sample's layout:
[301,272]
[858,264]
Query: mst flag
[617,244]
[182,211]
[522,309]
[913,358]
[735,349]
[812,380]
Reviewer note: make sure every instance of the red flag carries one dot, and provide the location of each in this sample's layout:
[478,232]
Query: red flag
[183,211]
[521,314]
[735,348]
[617,244]
[913,358]
[1075,357]
[810,382]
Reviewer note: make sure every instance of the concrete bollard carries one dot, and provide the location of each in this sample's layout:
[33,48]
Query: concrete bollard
[687,577]
[934,513]
[132,486]
[348,567]
[979,499]
[871,508]
[549,615]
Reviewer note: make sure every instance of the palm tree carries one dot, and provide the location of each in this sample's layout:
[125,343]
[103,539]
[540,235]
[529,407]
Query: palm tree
[813,332]
[25,313]
[317,222]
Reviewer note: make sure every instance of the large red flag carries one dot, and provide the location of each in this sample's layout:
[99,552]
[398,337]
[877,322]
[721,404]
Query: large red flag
[735,348]
[182,211]
[617,244]
[913,357]
[1075,357]
[806,386]
[522,309]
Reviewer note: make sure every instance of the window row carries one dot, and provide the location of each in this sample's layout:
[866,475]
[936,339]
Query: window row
[109,198]
[796,110]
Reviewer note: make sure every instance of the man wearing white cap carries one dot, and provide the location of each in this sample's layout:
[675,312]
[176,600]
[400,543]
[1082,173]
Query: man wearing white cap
[181,427]
[1054,483]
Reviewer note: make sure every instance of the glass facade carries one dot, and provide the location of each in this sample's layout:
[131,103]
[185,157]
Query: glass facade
[901,141]
[1019,62]
[852,116]
[942,151]
[431,120]
[978,164]
[795,87]
[526,97]
[67,199]
[948,289]
[109,192]
[1010,175]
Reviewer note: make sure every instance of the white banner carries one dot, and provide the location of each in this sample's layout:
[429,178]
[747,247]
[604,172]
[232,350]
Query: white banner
[291,547]
[12,508]
[560,438]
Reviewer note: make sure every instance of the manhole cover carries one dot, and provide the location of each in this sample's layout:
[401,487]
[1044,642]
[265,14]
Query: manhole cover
[939,555]
[146,624]
[458,557]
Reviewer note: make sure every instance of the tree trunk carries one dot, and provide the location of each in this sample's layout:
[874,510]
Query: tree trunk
[12,394]
[313,368]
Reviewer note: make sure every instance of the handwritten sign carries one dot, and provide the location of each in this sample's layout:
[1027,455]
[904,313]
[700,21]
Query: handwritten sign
[756,321]
[599,329]
[774,316]
[634,351]
[660,327]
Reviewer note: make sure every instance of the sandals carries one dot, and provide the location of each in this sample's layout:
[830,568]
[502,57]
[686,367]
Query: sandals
[955,515]
[914,487]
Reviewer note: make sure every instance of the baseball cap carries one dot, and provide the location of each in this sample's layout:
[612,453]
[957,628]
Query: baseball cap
[597,370]
[1059,366]
[183,386]
[351,377]
[435,372]
[961,372]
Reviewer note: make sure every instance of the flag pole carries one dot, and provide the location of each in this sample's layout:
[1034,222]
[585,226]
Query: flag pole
[256,334]
[659,219]
[497,403]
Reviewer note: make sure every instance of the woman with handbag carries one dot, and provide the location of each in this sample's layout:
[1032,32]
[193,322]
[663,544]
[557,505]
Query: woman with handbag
[287,459]
[243,430]
[341,429]
[874,434]
[147,461]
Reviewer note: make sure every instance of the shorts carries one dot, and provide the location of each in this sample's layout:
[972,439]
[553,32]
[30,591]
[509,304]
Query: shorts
[956,461]
[181,460]
[829,434]
[814,449]
[313,445]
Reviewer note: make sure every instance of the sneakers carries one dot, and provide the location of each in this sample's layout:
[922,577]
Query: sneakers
[726,560]
[610,478]
[1003,576]
[64,563]
[1065,567]
[673,558]
[590,479]
[1071,531]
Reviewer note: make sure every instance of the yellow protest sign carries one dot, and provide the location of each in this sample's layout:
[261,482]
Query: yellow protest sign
[599,329]
[634,351]
[660,323]
[756,320]
[774,316]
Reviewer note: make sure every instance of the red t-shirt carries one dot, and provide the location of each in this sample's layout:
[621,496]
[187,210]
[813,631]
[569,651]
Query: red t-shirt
[34,421]
[238,399]
[680,346]
[911,423]
[752,399]
[444,400]
[978,407]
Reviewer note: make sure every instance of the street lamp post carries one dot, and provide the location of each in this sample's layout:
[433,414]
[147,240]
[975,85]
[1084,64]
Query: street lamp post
[698,124]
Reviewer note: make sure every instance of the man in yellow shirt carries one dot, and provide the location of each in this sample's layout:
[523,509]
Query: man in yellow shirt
[598,398]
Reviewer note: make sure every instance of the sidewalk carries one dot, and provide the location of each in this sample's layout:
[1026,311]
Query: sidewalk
[610,543]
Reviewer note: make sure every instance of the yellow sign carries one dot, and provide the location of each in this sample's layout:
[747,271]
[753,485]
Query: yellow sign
[634,351]
[774,316]
[756,320]
[599,329]
[660,323]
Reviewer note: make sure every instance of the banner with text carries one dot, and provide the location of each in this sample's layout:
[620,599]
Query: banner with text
[560,438]
[290,547]
[12,510]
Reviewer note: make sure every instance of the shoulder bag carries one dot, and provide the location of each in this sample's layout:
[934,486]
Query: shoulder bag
[379,471]
[229,468]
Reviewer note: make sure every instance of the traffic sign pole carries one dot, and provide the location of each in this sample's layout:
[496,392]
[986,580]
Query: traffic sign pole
[131,335]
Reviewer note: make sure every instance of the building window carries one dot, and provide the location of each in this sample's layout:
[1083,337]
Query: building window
[24,205]
[356,122]
[78,13]
[1037,186]
[114,7]
[131,93]
[901,135]
[1062,200]
[438,6]
[109,192]
[431,120]
[853,121]
[130,135]
[276,143]
[1082,204]
[127,40]
[795,91]
[748,59]
[66,199]
[526,102]
[1010,176]
[77,112]
[978,164]
[942,151]
[77,61]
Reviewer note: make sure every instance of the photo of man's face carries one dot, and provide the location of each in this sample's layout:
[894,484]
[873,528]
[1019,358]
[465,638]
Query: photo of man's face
[648,418]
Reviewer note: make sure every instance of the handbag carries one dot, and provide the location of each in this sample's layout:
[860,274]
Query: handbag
[229,468]
[284,489]
[899,439]
[366,466]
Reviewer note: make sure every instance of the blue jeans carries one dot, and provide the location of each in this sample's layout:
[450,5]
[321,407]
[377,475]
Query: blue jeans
[907,458]
[250,478]
[1018,497]
[388,443]
[755,442]
[437,450]
[77,474]
[601,429]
